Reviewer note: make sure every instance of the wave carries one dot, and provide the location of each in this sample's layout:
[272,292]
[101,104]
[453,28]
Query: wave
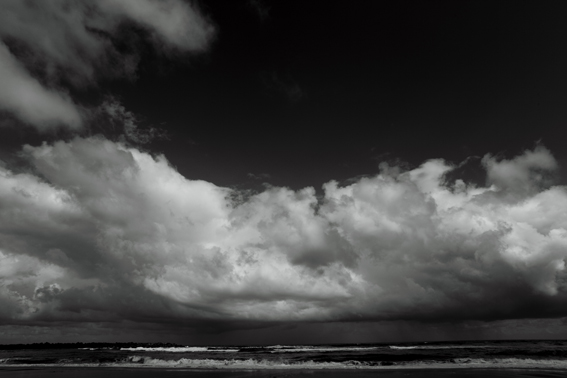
[148,362]
[178,349]
[231,363]
[297,349]
[440,347]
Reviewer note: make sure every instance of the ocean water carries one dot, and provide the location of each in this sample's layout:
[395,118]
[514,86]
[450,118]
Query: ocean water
[443,359]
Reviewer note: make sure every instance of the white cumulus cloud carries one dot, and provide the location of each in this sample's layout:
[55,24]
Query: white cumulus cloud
[46,46]
[103,231]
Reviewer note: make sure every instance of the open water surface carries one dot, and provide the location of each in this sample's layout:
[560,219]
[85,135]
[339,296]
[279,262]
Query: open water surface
[445,359]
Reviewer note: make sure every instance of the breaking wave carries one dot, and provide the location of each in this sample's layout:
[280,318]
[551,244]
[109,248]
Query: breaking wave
[179,349]
[234,363]
[148,362]
[440,347]
[297,349]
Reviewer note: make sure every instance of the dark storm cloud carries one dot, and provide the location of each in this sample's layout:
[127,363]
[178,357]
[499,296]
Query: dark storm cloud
[104,232]
[47,45]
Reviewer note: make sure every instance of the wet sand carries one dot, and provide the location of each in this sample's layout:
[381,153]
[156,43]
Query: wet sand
[107,372]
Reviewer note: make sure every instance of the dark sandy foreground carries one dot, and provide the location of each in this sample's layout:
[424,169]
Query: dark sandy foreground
[90,372]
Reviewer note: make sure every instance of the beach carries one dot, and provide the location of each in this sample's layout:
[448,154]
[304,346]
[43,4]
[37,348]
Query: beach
[109,372]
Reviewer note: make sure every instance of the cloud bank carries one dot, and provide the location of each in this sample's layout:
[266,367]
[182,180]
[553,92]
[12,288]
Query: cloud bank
[47,47]
[96,231]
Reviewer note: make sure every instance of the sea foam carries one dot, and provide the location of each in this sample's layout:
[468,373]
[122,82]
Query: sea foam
[148,362]
[178,349]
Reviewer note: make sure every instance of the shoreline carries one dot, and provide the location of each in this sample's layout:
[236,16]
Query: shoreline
[509,363]
[387,372]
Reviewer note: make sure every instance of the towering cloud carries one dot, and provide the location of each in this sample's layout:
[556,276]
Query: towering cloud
[47,46]
[104,232]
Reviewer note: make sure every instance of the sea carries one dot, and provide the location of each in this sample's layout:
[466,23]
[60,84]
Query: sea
[518,358]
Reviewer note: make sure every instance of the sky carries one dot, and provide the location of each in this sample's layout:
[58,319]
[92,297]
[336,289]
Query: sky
[282,172]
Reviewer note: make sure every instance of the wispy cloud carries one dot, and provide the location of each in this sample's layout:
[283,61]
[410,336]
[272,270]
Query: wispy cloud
[103,232]
[260,8]
[284,84]
[47,46]
[113,114]
[29,100]
[258,176]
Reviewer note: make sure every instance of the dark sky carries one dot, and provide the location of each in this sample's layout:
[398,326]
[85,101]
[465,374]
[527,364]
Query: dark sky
[335,88]
[282,171]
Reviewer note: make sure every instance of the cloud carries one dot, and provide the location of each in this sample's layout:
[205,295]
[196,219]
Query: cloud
[112,113]
[258,176]
[28,100]
[528,172]
[285,85]
[49,45]
[174,22]
[260,8]
[103,232]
